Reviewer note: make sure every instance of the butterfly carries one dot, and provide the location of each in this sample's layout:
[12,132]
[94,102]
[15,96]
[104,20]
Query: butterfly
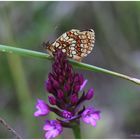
[75,44]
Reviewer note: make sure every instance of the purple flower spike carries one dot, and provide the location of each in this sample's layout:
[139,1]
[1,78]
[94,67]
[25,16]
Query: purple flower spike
[83,85]
[53,128]
[65,101]
[89,94]
[90,116]
[42,108]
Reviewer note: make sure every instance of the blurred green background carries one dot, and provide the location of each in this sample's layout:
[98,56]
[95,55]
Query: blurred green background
[117,47]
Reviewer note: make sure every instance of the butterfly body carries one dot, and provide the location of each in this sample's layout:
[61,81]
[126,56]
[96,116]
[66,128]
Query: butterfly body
[75,43]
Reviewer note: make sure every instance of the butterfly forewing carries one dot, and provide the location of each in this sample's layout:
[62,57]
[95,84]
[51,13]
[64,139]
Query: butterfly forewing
[76,44]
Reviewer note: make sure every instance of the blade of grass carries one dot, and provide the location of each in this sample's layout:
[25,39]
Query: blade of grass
[19,79]
[25,52]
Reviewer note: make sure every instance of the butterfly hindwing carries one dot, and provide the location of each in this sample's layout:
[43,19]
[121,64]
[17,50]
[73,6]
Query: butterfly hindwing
[75,43]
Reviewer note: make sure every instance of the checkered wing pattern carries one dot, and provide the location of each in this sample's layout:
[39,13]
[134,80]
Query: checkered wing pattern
[75,43]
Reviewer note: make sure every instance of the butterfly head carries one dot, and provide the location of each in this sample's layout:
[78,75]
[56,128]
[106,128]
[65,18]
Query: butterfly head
[48,46]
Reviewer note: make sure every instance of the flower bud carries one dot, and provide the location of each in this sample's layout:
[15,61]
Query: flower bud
[55,84]
[89,94]
[60,94]
[74,99]
[76,88]
[66,87]
[81,79]
[48,86]
[61,79]
[52,100]
[76,77]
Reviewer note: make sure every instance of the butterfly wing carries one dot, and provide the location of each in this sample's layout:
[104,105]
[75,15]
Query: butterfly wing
[76,44]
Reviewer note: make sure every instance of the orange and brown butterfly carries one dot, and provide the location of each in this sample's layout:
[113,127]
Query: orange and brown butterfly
[75,43]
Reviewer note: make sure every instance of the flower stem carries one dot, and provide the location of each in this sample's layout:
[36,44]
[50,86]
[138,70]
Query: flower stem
[76,131]
[25,52]
[9,128]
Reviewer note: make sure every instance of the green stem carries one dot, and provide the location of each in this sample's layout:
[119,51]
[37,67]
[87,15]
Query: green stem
[76,131]
[25,52]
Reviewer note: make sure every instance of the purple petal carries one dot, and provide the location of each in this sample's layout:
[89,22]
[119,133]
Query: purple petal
[66,114]
[48,127]
[96,116]
[53,128]
[83,85]
[86,120]
[93,122]
[42,108]
[90,116]
[51,134]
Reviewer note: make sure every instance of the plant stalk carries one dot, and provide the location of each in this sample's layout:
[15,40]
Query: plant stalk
[25,52]
[76,131]
[9,128]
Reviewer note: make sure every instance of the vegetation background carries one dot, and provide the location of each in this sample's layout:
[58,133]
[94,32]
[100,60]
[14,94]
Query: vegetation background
[28,24]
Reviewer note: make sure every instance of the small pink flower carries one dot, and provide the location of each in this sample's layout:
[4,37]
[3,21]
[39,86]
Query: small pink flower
[42,108]
[90,116]
[53,128]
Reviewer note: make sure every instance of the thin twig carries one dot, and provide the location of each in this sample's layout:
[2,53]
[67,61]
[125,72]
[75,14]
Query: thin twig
[10,129]
[25,52]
